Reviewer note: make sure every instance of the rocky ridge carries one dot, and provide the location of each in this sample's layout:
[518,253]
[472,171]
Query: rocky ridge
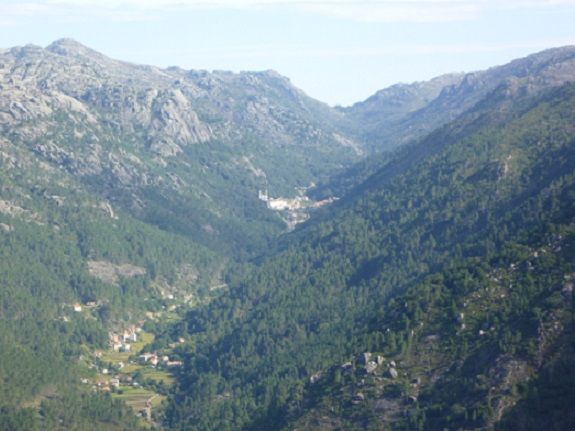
[404,112]
[165,109]
[131,132]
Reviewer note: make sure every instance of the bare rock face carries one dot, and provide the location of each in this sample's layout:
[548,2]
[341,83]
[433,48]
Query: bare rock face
[74,106]
[173,123]
[110,273]
[89,87]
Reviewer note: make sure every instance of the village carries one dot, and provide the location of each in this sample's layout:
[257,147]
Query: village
[123,343]
[293,210]
[127,369]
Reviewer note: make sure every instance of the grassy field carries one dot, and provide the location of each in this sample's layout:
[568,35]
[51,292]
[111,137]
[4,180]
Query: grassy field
[130,368]
[115,357]
[137,398]
[157,375]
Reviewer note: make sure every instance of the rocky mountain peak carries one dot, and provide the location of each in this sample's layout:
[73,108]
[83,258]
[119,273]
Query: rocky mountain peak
[72,48]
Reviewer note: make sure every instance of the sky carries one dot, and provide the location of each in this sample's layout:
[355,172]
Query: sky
[338,51]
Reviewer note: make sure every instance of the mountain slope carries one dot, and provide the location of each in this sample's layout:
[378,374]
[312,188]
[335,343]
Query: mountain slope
[123,186]
[187,151]
[58,244]
[485,344]
[480,184]
[402,113]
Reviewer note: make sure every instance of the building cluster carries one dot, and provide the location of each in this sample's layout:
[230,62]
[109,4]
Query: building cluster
[122,342]
[77,307]
[155,360]
[112,383]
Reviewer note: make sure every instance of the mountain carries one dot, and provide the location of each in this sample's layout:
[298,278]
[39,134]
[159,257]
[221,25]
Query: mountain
[63,245]
[451,268]
[125,191]
[187,151]
[396,118]
[485,340]
[435,293]
[391,105]
[404,112]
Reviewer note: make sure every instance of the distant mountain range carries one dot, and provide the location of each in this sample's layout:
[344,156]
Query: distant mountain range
[404,112]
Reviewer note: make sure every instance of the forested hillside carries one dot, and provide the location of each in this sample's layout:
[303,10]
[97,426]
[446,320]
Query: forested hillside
[58,244]
[126,190]
[478,195]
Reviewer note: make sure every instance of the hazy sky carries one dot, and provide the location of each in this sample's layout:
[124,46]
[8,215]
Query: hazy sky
[339,51]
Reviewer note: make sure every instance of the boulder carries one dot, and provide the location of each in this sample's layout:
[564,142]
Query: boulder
[370,367]
[347,367]
[314,378]
[364,358]
[358,398]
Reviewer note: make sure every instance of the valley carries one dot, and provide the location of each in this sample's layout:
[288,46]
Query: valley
[193,250]
[294,210]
